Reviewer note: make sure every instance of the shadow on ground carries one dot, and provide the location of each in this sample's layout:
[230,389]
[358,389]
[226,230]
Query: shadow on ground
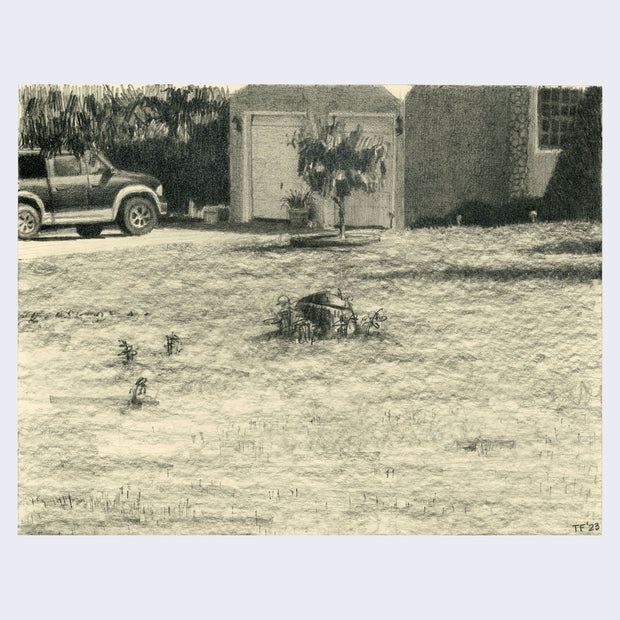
[500,274]
[286,248]
[582,246]
[255,227]
[75,237]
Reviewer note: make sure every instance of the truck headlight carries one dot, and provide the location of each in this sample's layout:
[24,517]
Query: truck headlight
[160,190]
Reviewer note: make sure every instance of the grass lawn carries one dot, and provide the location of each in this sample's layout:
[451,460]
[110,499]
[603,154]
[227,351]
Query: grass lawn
[491,334]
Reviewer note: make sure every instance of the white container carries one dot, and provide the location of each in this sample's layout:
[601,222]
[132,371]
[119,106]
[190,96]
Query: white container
[210,215]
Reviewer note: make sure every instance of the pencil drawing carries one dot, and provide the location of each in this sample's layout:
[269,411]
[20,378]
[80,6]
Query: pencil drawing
[309,310]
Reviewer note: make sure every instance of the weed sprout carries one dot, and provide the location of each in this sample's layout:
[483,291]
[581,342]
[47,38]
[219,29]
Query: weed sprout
[128,352]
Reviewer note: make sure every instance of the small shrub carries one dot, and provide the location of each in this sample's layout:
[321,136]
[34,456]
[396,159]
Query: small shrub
[128,352]
[139,389]
[373,321]
[321,315]
[297,199]
[173,344]
[478,213]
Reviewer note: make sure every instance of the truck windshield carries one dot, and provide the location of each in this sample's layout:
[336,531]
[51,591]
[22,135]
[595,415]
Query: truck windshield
[105,160]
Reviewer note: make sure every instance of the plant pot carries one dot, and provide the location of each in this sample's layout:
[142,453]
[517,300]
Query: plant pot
[299,218]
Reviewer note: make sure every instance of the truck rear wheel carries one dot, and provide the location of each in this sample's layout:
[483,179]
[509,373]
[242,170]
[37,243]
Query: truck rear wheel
[28,221]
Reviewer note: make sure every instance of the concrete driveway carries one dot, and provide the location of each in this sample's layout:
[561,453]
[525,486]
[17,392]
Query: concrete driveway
[67,241]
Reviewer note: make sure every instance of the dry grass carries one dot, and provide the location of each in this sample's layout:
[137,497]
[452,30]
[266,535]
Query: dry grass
[492,334]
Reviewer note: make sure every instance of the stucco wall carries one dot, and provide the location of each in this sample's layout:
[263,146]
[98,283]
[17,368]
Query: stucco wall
[456,148]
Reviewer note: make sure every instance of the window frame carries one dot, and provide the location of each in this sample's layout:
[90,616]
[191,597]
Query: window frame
[86,166]
[41,163]
[67,176]
[538,118]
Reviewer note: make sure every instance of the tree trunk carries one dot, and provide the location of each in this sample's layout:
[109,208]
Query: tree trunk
[340,204]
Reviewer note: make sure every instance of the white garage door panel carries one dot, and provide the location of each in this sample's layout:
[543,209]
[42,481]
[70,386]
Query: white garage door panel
[274,169]
[374,209]
[274,165]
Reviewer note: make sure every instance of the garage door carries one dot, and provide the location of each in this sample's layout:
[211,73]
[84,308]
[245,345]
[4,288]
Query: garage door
[374,209]
[274,164]
[274,169]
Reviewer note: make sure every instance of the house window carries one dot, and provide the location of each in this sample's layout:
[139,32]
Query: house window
[556,114]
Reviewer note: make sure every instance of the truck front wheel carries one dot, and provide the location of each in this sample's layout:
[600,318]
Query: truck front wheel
[139,216]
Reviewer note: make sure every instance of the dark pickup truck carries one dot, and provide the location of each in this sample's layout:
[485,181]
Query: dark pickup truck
[86,192]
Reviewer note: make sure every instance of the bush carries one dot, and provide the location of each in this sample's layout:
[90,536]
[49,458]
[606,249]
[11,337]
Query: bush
[479,213]
[575,189]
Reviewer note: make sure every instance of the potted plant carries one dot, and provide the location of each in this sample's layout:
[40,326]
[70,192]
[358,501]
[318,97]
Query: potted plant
[300,207]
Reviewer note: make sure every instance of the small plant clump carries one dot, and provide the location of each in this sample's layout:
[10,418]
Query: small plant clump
[128,352]
[138,395]
[322,315]
[173,344]
[139,389]
[298,199]
[373,321]
[290,323]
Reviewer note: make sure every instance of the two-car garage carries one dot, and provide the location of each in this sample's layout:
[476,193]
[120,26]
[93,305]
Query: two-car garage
[264,161]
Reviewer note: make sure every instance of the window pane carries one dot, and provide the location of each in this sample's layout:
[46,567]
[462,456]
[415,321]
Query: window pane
[31,167]
[557,108]
[66,166]
[554,139]
[93,164]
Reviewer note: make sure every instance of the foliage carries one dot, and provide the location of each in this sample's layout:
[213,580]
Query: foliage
[179,135]
[480,213]
[335,162]
[290,323]
[138,390]
[298,199]
[575,189]
[373,321]
[173,344]
[316,317]
[128,352]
